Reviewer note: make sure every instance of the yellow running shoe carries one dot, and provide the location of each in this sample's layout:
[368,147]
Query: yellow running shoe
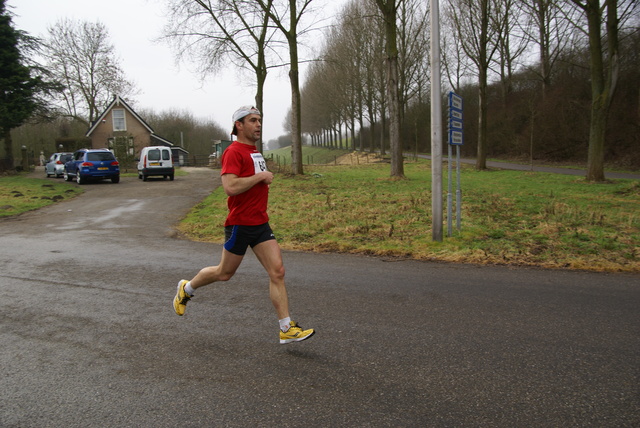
[295,334]
[181,299]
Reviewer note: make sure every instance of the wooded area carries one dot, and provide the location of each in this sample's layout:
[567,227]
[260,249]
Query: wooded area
[524,68]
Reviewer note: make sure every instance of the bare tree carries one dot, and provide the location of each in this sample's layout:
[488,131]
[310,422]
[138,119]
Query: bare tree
[354,72]
[512,43]
[457,66]
[472,19]
[334,82]
[367,38]
[80,56]
[413,50]
[545,25]
[287,16]
[213,33]
[324,97]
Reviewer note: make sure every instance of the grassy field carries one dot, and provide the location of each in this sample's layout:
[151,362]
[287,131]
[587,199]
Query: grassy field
[19,193]
[508,217]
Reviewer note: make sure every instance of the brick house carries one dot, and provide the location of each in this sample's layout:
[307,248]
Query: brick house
[120,129]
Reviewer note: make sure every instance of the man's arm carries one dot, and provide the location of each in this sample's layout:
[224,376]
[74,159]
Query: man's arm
[234,185]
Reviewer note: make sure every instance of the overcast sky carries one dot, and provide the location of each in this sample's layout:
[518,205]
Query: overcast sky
[163,84]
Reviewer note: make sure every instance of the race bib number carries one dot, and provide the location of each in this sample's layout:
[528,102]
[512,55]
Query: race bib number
[259,163]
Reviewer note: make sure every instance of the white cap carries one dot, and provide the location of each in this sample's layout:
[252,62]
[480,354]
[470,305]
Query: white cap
[242,112]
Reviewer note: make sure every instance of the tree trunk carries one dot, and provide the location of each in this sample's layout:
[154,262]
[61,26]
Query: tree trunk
[389,11]
[604,75]
[261,77]
[397,163]
[296,123]
[383,129]
[597,133]
[296,120]
[372,137]
[481,160]
[545,62]
[8,150]
[481,156]
[353,134]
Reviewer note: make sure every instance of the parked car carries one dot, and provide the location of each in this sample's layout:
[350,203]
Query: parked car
[155,160]
[88,164]
[55,164]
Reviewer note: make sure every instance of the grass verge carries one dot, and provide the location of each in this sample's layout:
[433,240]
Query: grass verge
[19,193]
[508,217]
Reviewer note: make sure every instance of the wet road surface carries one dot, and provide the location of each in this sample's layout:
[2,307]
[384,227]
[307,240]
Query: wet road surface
[89,337]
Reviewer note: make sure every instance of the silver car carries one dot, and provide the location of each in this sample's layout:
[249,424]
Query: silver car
[55,164]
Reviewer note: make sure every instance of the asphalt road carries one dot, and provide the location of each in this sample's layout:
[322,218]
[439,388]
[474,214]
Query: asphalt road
[89,337]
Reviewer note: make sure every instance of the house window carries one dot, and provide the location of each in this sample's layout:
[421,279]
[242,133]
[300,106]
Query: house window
[119,123]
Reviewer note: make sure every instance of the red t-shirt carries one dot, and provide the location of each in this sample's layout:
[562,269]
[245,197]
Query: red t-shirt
[250,207]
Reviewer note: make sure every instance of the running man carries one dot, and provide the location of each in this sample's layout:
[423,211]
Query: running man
[246,181]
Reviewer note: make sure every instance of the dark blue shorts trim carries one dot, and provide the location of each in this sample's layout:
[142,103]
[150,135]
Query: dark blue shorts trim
[239,238]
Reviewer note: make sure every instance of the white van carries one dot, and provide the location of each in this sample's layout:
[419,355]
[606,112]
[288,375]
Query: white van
[155,161]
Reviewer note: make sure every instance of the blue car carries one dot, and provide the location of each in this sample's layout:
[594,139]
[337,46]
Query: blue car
[88,164]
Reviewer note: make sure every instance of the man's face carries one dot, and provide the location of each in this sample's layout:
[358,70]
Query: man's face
[251,128]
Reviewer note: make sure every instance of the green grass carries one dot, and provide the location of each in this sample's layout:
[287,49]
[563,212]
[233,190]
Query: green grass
[19,193]
[508,217]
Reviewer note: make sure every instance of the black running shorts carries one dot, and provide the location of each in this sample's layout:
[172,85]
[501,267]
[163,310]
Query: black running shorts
[238,238]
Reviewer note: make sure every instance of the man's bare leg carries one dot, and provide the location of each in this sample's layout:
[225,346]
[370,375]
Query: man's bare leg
[223,272]
[229,263]
[270,256]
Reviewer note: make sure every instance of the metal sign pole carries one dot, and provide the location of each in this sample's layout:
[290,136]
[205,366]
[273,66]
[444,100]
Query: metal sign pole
[449,195]
[458,191]
[436,125]
[456,138]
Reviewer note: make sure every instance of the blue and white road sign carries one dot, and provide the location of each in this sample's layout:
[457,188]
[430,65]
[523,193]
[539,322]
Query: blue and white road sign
[456,137]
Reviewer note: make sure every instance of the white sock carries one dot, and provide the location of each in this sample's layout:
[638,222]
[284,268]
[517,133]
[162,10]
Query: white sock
[284,324]
[187,289]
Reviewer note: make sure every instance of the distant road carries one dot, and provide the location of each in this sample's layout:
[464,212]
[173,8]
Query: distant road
[536,168]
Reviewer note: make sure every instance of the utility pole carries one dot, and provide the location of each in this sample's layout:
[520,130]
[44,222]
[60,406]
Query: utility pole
[436,125]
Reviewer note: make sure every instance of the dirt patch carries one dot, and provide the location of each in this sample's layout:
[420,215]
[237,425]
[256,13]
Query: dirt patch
[360,158]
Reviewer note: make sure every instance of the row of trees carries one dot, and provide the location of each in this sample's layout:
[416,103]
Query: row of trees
[258,35]
[371,79]
[525,68]
[184,129]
